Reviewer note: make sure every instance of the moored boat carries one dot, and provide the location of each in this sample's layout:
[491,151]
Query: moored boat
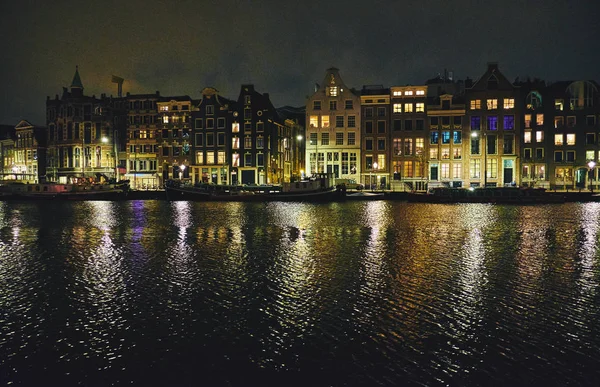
[87,191]
[499,195]
[314,189]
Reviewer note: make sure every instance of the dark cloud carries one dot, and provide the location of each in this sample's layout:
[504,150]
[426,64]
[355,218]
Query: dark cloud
[283,47]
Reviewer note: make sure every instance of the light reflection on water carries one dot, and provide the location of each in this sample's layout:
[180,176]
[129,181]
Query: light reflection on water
[357,293]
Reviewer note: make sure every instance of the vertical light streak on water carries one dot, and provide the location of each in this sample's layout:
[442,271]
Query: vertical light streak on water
[587,280]
[99,288]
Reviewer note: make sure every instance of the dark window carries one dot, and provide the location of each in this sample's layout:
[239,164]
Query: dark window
[539,153]
[570,156]
[369,144]
[457,120]
[339,121]
[590,138]
[397,124]
[368,126]
[408,125]
[380,126]
[381,144]
[349,104]
[420,124]
[558,156]
[492,122]
[508,148]
[316,105]
[165,151]
[445,120]
[527,153]
[434,121]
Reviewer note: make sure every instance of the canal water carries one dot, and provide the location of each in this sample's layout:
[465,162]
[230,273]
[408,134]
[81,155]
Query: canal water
[287,294]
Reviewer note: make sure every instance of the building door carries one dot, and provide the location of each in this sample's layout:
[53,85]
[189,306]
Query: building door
[248,177]
[508,175]
[433,172]
[336,171]
[580,176]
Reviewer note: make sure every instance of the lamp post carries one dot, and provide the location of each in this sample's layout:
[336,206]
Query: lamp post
[299,155]
[483,145]
[591,166]
[375,165]
[181,169]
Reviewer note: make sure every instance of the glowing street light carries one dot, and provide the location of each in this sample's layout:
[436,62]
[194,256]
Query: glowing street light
[591,164]
[375,165]
[483,144]
[181,169]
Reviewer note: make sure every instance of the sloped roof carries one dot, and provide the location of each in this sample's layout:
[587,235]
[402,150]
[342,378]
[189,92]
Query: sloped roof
[77,79]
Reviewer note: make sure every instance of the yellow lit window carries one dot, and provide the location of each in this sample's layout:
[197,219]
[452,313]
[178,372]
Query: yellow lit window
[325,121]
[539,136]
[420,92]
[408,92]
[433,153]
[559,104]
[235,127]
[397,108]
[333,91]
[527,137]
[164,108]
[199,158]
[420,107]
[539,119]
[235,160]
[445,170]
[558,139]
[476,104]
[570,138]
[527,120]
[492,104]
[559,122]
[408,107]
[509,103]
[589,155]
[314,121]
[397,93]
[419,141]
[235,143]
[456,170]
[165,119]
[210,157]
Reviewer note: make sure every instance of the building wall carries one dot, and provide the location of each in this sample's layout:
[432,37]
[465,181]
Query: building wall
[332,113]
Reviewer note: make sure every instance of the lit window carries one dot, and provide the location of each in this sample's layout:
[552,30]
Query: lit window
[420,107]
[235,160]
[539,136]
[397,93]
[433,153]
[509,103]
[558,139]
[559,122]
[476,104]
[527,120]
[325,121]
[314,121]
[408,107]
[397,108]
[420,92]
[559,104]
[235,143]
[539,119]
[165,119]
[590,155]
[456,170]
[333,91]
[492,104]
[199,158]
[445,171]
[570,138]
[509,122]
[408,92]
[527,137]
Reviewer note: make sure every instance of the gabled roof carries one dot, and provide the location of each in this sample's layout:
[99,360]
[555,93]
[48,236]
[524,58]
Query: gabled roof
[494,76]
[24,124]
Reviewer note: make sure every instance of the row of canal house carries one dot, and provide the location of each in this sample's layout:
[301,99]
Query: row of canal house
[149,138]
[488,132]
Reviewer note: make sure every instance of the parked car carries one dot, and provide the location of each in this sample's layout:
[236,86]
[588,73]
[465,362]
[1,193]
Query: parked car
[350,184]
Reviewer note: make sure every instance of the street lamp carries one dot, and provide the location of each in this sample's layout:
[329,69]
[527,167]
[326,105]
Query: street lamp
[483,144]
[591,166]
[375,165]
[181,169]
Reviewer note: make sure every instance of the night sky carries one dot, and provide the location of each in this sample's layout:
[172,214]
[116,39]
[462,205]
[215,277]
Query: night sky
[283,47]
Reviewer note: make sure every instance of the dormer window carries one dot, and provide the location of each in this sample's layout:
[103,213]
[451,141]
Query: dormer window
[333,91]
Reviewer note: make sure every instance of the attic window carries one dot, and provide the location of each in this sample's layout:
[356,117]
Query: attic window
[492,82]
[333,91]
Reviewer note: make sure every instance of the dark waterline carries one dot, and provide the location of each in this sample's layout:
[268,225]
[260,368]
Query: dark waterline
[357,293]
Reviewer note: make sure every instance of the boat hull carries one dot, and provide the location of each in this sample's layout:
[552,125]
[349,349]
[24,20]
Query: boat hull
[193,194]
